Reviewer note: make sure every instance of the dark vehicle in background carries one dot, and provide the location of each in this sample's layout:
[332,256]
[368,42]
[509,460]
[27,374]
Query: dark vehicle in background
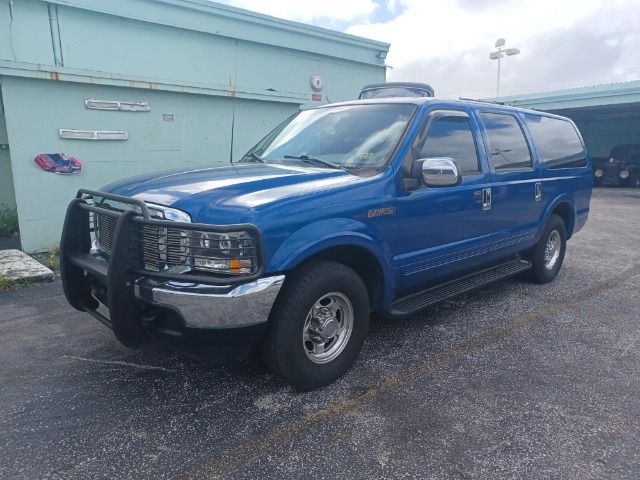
[622,167]
[597,164]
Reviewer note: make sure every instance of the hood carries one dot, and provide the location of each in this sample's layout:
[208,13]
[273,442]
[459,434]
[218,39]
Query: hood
[238,187]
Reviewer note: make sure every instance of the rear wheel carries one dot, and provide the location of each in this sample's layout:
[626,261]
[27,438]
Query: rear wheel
[548,254]
[318,325]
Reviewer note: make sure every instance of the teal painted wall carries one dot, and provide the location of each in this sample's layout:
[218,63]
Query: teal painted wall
[25,34]
[190,46]
[602,136]
[199,135]
[7,194]
[160,51]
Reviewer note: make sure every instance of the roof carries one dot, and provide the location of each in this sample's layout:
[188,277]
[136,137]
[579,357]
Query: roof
[595,95]
[215,18]
[440,102]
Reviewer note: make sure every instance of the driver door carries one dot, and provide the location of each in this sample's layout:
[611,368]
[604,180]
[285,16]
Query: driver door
[445,231]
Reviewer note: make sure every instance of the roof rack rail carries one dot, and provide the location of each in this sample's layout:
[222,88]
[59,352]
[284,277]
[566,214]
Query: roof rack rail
[498,103]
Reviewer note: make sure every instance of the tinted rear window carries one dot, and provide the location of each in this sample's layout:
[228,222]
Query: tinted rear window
[509,148]
[557,142]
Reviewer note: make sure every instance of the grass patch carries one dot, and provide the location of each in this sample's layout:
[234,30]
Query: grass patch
[5,283]
[54,258]
[26,283]
[50,259]
[8,220]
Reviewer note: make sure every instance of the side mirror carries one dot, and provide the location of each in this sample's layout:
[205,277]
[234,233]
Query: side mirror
[437,172]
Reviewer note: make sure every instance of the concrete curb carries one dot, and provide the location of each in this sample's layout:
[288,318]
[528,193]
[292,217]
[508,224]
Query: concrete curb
[20,266]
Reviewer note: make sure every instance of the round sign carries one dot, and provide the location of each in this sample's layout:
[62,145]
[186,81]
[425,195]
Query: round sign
[317,82]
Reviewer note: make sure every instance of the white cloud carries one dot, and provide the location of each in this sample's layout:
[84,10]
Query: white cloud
[306,11]
[564,43]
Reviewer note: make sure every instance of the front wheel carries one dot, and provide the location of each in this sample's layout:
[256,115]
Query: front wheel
[317,325]
[547,256]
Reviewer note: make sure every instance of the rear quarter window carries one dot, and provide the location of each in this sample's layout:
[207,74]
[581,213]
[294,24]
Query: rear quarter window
[556,141]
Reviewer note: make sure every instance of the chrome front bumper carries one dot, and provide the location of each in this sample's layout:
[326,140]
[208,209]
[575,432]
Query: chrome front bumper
[214,307]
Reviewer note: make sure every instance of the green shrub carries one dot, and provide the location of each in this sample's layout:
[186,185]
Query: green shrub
[8,220]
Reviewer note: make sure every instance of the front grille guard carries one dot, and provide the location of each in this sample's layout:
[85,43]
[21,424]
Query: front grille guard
[143,230]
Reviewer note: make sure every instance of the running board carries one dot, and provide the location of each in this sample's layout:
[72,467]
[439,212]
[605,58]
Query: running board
[421,300]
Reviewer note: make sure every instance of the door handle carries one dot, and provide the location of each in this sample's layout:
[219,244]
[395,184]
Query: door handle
[538,191]
[486,199]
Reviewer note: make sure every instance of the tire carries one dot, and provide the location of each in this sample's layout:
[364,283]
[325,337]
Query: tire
[548,254]
[317,325]
[634,181]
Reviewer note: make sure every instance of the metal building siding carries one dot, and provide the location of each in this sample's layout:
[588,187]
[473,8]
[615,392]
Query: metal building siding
[25,35]
[178,45]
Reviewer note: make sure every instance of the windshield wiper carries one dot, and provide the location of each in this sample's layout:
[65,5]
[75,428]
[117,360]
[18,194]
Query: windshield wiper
[253,156]
[311,159]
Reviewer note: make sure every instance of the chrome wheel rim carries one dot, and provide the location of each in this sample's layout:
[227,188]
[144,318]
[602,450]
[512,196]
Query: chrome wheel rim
[552,250]
[327,328]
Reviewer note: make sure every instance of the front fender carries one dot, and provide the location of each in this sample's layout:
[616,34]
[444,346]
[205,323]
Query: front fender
[338,232]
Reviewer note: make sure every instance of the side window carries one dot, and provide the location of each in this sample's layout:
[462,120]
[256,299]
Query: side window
[557,141]
[509,149]
[451,136]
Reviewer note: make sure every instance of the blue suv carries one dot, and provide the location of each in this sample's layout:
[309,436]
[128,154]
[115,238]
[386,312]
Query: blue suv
[381,205]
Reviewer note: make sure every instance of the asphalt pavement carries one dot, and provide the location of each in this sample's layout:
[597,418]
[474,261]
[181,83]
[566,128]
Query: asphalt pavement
[514,380]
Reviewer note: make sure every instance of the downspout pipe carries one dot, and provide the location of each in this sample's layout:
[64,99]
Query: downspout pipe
[56,43]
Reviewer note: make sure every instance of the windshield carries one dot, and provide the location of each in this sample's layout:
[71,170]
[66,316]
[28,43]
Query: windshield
[351,137]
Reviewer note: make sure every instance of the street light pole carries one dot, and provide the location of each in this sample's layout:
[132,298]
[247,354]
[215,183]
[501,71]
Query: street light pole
[498,81]
[497,55]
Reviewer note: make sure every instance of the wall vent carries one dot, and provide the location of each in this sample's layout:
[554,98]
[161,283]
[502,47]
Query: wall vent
[94,104]
[93,134]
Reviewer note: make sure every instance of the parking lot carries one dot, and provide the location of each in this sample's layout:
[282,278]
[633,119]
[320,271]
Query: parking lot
[511,381]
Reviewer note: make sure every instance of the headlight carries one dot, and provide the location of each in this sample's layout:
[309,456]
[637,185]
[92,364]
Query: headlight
[598,173]
[165,246]
[624,174]
[168,213]
[233,252]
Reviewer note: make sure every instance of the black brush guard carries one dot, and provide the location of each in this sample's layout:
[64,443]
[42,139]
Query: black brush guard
[82,272]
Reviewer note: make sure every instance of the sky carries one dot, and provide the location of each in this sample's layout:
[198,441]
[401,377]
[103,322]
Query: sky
[446,43]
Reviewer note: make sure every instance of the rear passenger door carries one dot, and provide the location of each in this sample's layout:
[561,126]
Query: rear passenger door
[515,184]
[565,171]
